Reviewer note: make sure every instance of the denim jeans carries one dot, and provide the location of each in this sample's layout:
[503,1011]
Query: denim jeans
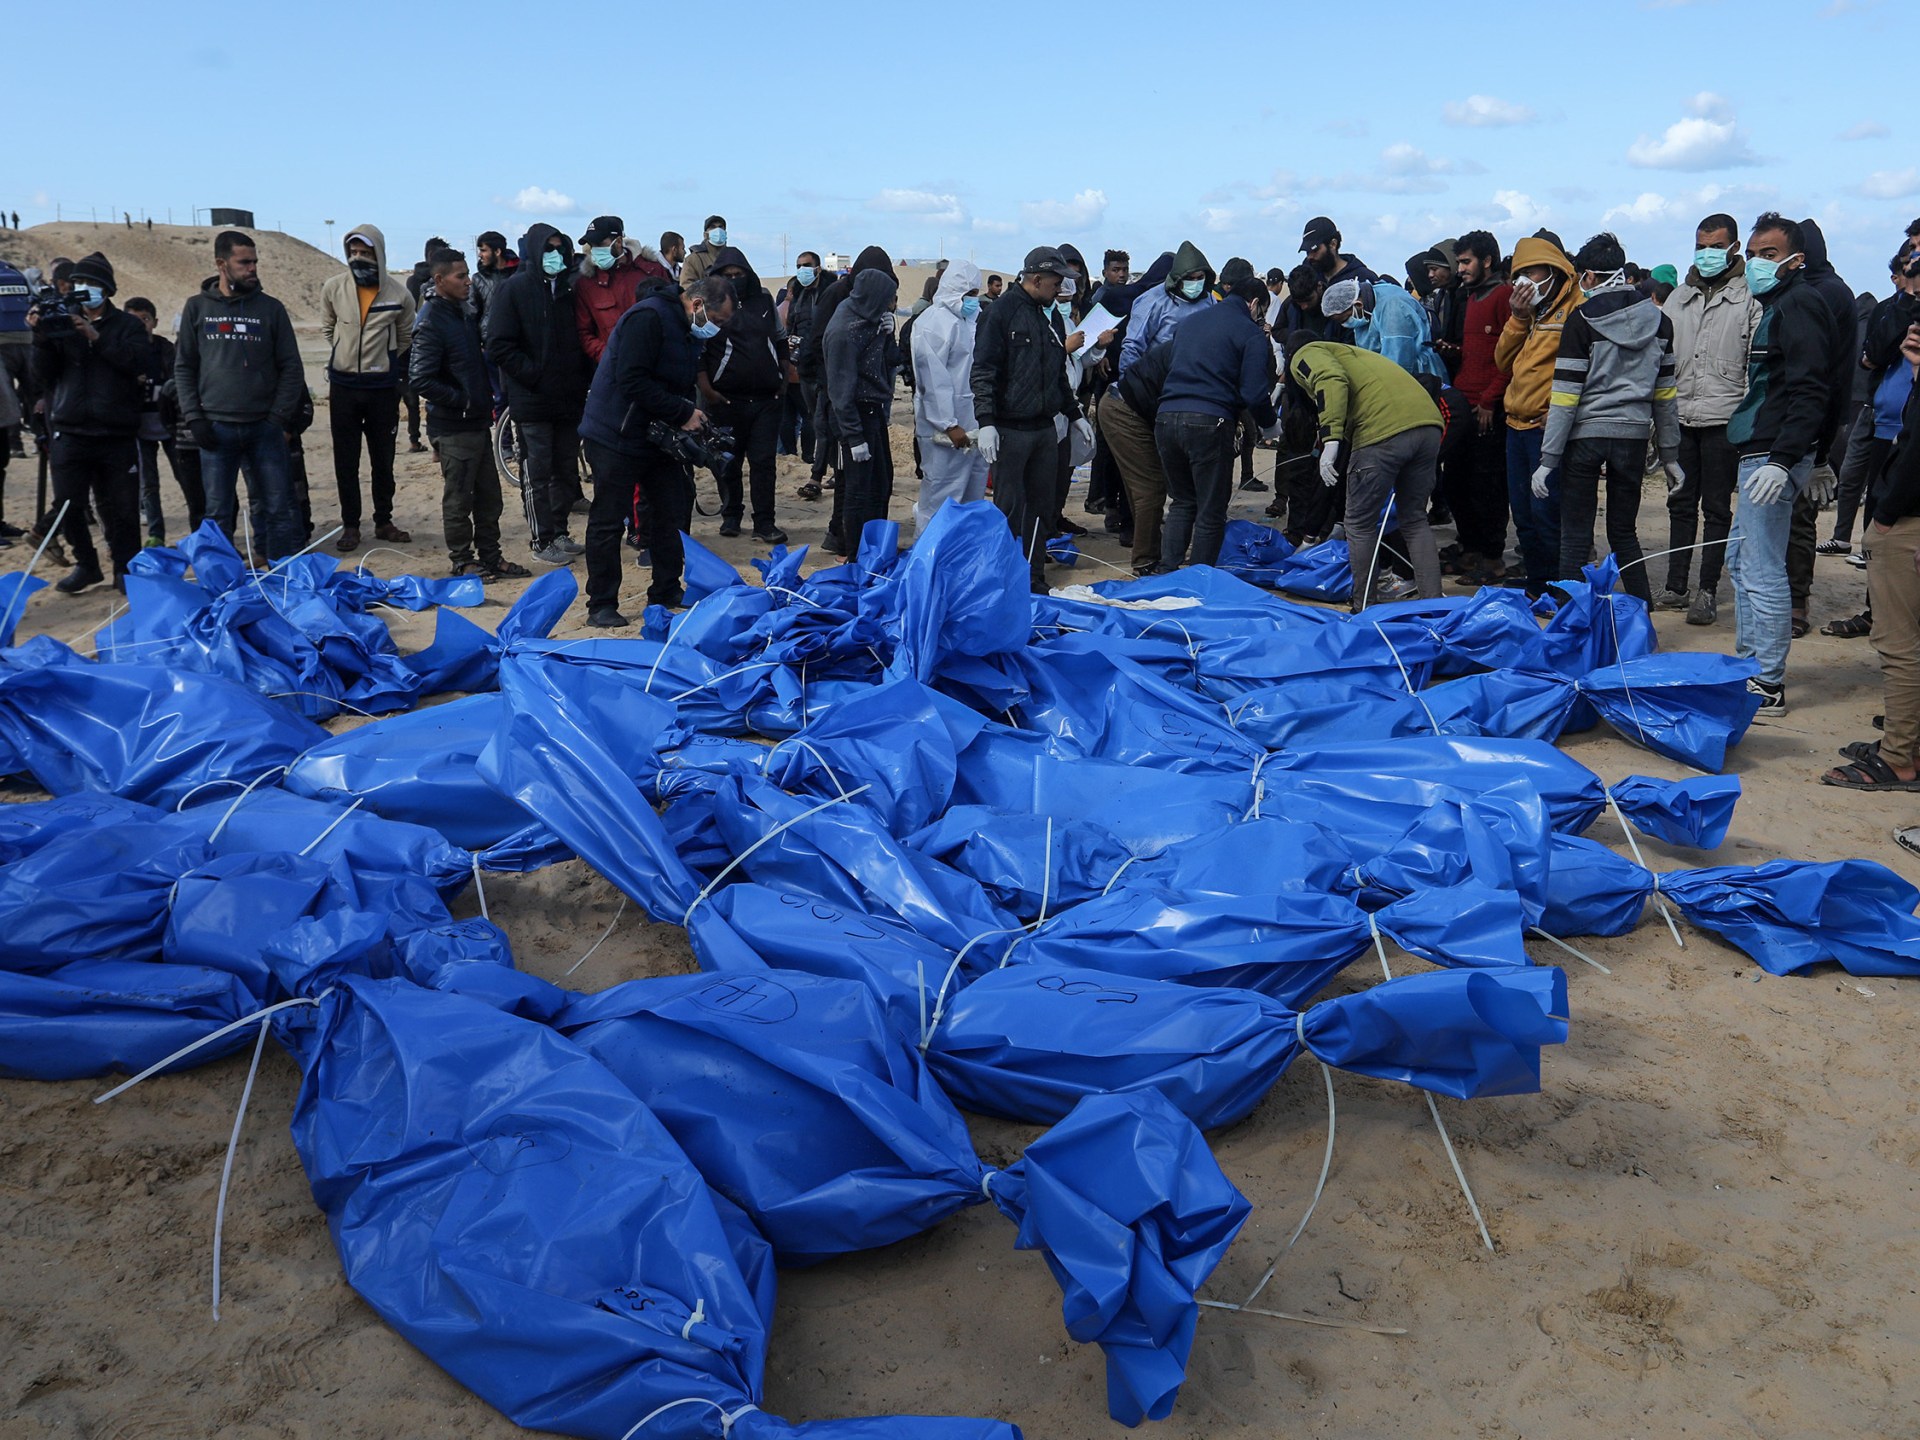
[1196,455]
[1757,565]
[1536,520]
[261,447]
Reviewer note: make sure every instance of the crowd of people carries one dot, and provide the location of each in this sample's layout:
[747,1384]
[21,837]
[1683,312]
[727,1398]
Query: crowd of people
[1501,392]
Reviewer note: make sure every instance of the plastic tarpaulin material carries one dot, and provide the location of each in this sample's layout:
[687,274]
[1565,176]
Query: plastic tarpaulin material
[92,1016]
[1790,914]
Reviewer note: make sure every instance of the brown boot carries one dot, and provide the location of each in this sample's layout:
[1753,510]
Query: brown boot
[392,532]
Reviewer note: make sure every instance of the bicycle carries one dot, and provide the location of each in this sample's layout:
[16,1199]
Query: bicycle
[510,455]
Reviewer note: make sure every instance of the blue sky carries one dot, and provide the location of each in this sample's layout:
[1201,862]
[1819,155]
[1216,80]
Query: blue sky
[984,129]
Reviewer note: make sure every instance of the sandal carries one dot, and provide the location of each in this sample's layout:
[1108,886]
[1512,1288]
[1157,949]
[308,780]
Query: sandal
[1833,547]
[1853,627]
[1868,773]
[1801,627]
[808,491]
[1860,750]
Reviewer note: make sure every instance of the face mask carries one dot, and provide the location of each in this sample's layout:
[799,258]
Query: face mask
[1710,263]
[1355,322]
[804,275]
[602,257]
[1193,289]
[717,235]
[93,295]
[366,274]
[704,329]
[970,306]
[1763,275]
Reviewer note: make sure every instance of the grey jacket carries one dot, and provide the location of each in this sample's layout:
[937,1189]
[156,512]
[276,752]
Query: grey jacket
[1712,330]
[1613,377]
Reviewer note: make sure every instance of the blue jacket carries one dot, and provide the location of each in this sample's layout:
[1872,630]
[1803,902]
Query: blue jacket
[1153,318]
[1222,364]
[1398,330]
[646,373]
[16,298]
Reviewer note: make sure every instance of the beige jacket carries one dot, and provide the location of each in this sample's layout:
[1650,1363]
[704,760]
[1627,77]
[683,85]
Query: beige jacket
[366,355]
[1712,329]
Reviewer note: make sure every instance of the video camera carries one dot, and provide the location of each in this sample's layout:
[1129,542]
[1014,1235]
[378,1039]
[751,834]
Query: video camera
[55,310]
[711,447]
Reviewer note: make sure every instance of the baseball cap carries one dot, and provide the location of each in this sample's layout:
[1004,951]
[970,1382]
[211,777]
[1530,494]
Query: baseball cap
[1318,232]
[604,227]
[1045,260]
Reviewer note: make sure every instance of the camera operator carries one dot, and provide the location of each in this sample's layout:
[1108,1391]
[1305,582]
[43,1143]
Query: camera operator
[92,361]
[647,375]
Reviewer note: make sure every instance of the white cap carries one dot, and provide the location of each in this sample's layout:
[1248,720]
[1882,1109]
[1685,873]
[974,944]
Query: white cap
[1340,297]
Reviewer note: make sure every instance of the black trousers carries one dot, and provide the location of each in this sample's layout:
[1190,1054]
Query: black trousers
[1712,468]
[552,476]
[667,488]
[105,468]
[373,416]
[1625,462]
[1479,497]
[867,484]
[756,428]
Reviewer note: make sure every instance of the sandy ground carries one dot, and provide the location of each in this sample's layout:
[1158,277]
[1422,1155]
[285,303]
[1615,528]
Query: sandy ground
[1704,1223]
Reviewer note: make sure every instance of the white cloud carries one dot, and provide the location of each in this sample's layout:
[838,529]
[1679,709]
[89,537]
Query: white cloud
[1217,221]
[1865,130]
[995,227]
[1082,212]
[1708,139]
[921,205]
[538,200]
[1891,184]
[1487,111]
[1522,210]
[1645,209]
[1350,129]
[1847,7]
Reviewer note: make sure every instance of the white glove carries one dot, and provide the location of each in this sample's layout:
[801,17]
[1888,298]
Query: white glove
[1823,485]
[1330,463]
[988,439]
[1768,485]
[1272,432]
[1676,477]
[1059,428]
[1083,428]
[1540,478]
[860,453]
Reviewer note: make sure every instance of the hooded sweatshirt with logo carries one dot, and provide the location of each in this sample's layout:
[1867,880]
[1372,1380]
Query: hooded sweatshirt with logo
[859,351]
[237,360]
[1157,312]
[1528,348]
[533,336]
[943,355]
[748,358]
[368,335]
[1613,376]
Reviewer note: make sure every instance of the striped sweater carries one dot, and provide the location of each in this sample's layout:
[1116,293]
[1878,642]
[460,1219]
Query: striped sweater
[1613,378]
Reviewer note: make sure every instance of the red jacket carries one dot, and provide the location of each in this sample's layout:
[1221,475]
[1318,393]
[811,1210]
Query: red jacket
[1479,379]
[600,299]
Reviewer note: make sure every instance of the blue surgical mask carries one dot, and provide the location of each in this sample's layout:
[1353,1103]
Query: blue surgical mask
[704,329]
[602,257]
[1710,263]
[93,295]
[1193,289]
[717,235]
[1763,274]
[1355,322]
[804,275]
[553,262]
[970,306]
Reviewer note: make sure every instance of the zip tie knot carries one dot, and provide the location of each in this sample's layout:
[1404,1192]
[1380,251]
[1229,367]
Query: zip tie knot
[698,1317]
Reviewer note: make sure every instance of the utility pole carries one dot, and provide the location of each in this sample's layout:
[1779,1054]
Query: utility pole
[783,252]
[329,237]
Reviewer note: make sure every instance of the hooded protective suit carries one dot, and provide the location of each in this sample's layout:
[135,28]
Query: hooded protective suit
[943,396]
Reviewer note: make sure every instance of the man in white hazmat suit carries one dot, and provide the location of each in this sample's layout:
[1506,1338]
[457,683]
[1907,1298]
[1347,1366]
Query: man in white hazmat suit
[943,415]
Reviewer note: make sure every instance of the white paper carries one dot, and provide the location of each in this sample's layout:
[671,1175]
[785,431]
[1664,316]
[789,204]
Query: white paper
[1099,320]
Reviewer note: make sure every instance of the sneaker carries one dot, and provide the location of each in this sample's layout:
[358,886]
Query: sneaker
[152,542]
[1773,698]
[501,568]
[1705,608]
[552,554]
[769,534]
[1835,546]
[10,531]
[1857,560]
[78,579]
[414,447]
[1068,527]
[671,600]
[567,543]
[643,559]
[1670,600]
[1395,587]
[605,617]
[1257,487]
[729,529]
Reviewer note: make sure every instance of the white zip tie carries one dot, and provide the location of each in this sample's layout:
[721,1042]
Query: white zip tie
[738,670]
[940,1000]
[601,941]
[181,804]
[361,568]
[726,1419]
[1303,1319]
[215,835]
[1619,660]
[1326,1160]
[480,888]
[1556,940]
[226,1167]
[205,1040]
[1458,1173]
[322,695]
[1259,787]
[1193,650]
[1658,899]
[783,825]
[698,1317]
[654,668]
[1046,878]
[1405,678]
[809,748]
[1373,925]
[335,825]
[1118,873]
[19,596]
[986,1180]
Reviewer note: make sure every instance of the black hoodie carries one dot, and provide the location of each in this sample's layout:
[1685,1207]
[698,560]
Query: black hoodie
[534,336]
[811,358]
[859,351]
[748,357]
[237,360]
[1837,296]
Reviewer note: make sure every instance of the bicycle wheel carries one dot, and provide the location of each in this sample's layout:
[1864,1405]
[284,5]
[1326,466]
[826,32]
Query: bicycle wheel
[507,454]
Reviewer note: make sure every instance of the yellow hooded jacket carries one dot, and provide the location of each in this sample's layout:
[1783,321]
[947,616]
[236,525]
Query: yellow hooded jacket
[1526,352]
